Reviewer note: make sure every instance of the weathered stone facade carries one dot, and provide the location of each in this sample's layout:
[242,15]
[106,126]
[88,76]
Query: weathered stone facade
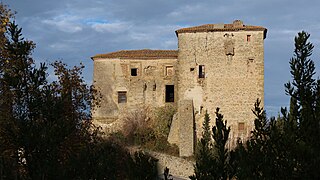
[216,65]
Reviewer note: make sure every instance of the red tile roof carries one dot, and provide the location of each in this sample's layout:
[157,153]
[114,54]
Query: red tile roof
[237,25]
[140,54]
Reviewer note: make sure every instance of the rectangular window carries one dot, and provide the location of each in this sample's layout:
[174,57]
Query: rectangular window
[201,71]
[169,93]
[241,126]
[248,38]
[122,96]
[169,70]
[134,71]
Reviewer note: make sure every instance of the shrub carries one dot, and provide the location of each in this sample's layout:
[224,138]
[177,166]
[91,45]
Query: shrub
[162,120]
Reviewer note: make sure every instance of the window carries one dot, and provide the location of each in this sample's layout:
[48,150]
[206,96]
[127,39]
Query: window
[201,71]
[241,126]
[134,71]
[122,96]
[248,38]
[169,93]
[169,70]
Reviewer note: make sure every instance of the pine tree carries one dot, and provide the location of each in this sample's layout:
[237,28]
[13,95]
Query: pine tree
[220,134]
[212,158]
[203,168]
[304,90]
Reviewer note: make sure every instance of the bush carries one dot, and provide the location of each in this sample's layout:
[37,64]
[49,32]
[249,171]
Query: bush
[163,119]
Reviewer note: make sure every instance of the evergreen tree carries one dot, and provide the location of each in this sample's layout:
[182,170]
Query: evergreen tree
[304,109]
[212,159]
[203,168]
[220,134]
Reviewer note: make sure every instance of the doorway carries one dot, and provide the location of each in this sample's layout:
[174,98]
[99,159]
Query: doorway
[169,93]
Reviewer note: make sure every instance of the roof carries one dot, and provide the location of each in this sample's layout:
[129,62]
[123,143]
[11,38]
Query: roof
[237,25]
[140,54]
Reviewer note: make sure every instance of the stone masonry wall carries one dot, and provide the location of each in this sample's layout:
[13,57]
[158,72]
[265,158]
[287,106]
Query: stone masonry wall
[233,76]
[186,128]
[178,167]
[146,89]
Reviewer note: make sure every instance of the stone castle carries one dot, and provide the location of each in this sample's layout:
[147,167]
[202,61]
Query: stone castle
[216,65]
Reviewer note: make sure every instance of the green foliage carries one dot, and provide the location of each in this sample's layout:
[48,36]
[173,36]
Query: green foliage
[150,129]
[46,127]
[163,120]
[203,168]
[206,134]
[212,158]
[303,117]
[220,134]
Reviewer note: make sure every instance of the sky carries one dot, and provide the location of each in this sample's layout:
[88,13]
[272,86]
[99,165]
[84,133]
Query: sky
[75,30]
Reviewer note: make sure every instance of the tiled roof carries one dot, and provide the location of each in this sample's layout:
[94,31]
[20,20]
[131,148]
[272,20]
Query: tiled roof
[140,54]
[237,25]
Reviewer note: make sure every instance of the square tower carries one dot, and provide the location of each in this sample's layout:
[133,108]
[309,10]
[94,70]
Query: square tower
[222,65]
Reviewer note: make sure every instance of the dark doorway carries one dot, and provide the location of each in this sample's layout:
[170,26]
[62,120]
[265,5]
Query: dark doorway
[169,93]
[201,71]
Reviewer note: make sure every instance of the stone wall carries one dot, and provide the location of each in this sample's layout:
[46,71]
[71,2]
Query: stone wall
[186,128]
[146,88]
[178,167]
[233,76]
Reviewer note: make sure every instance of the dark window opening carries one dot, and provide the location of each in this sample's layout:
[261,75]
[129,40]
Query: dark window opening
[248,38]
[169,93]
[122,97]
[134,71]
[191,69]
[201,71]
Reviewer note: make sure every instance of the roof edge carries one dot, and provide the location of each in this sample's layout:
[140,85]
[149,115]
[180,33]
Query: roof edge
[139,54]
[237,25]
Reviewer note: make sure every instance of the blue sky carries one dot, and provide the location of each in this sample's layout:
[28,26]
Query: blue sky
[75,30]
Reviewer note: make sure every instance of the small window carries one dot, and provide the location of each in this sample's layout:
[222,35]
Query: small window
[248,38]
[122,96]
[201,71]
[191,69]
[134,71]
[169,70]
[241,126]
[169,93]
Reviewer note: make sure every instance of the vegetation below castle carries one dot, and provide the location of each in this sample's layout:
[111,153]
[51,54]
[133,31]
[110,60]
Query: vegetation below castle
[149,129]
[46,130]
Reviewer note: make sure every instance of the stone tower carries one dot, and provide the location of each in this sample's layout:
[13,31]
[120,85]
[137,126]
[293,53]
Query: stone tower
[222,65]
[216,65]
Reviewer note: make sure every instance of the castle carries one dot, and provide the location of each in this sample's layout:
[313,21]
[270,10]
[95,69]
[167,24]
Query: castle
[216,65]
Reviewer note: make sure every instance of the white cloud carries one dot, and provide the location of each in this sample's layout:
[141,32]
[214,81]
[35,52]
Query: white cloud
[110,27]
[65,23]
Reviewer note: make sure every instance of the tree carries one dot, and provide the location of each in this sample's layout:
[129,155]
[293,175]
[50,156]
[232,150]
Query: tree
[304,107]
[220,134]
[203,168]
[46,127]
[212,158]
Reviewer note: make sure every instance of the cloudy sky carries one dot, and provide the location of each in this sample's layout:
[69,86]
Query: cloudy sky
[75,30]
